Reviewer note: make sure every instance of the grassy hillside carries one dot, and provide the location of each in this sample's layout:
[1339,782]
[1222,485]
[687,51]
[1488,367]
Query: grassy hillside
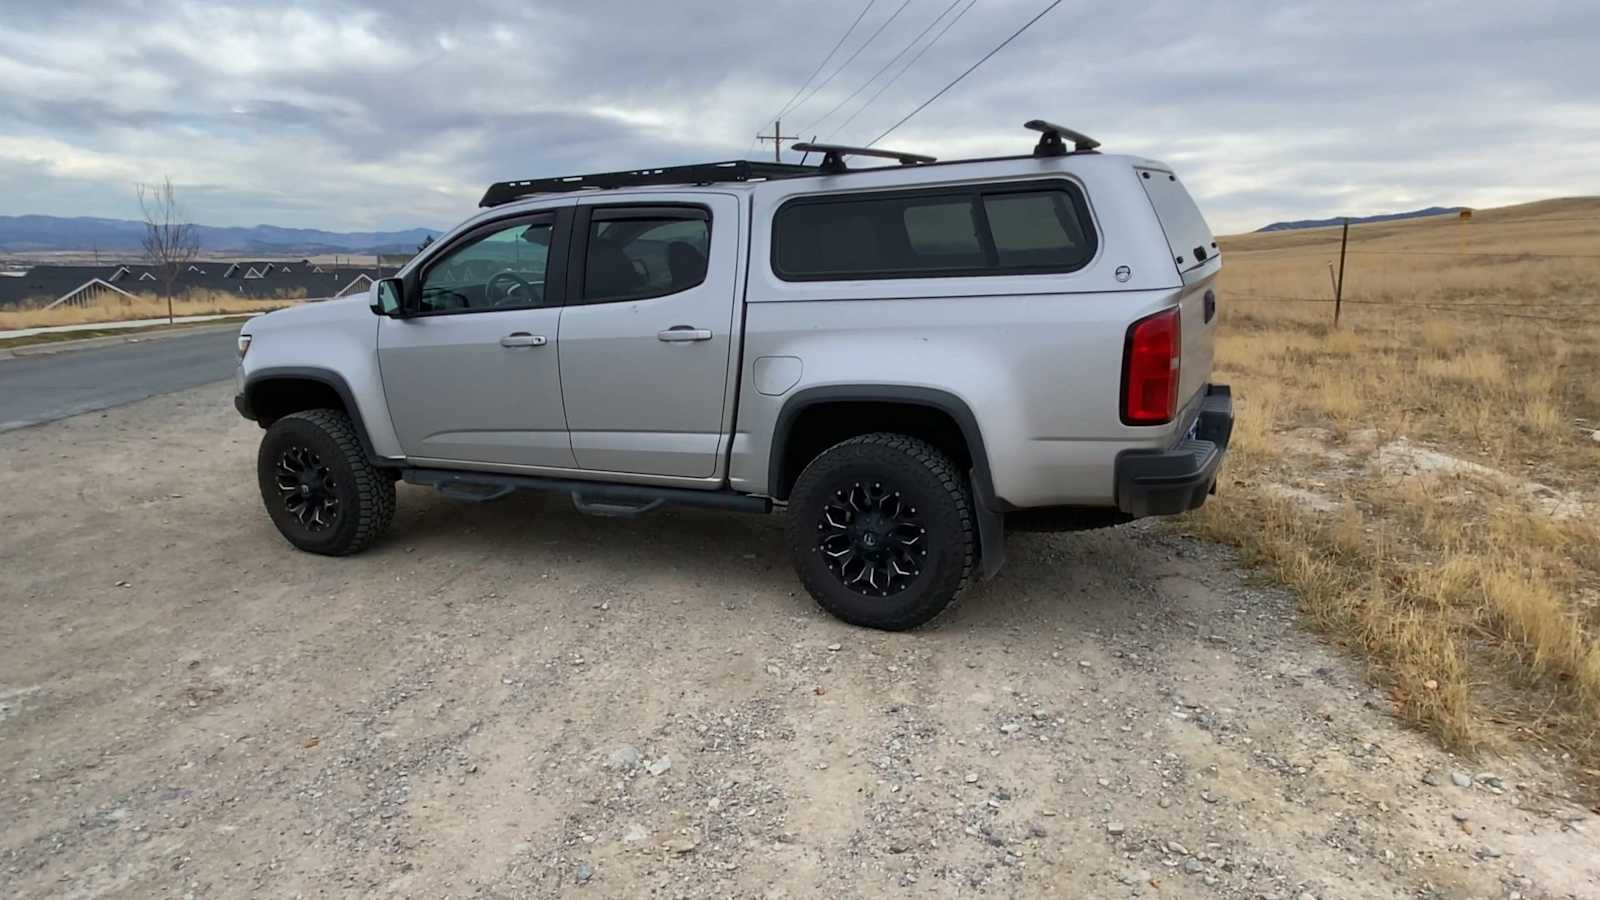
[141,306]
[1425,475]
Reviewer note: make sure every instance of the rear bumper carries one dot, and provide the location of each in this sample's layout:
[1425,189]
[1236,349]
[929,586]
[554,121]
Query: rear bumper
[1166,482]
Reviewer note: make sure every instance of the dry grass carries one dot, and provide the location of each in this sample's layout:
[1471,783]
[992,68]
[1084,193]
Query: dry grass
[1446,424]
[143,306]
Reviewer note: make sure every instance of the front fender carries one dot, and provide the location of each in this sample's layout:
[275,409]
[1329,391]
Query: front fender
[334,342]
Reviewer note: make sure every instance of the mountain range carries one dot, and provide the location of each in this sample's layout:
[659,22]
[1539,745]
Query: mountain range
[42,233]
[1359,220]
[21,234]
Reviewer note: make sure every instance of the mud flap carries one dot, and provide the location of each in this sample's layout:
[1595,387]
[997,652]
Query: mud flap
[991,530]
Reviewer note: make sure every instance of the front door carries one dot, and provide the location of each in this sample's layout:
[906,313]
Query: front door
[472,377]
[647,333]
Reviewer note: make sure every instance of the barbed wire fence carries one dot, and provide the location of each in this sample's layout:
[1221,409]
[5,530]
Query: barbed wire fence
[1550,310]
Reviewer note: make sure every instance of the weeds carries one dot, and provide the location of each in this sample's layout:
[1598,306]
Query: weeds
[1457,548]
[143,306]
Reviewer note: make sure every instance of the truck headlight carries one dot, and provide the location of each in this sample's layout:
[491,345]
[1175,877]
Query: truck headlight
[244,345]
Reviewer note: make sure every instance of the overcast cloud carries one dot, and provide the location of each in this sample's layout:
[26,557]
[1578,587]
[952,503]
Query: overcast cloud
[385,115]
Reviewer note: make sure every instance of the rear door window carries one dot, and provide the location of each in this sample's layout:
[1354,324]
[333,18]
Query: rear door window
[1039,227]
[635,253]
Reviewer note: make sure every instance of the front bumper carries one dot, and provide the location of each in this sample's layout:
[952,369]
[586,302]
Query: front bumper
[1165,482]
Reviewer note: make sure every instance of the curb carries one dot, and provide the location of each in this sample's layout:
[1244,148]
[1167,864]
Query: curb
[134,336]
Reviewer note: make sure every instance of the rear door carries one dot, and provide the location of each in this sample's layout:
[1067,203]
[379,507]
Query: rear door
[1194,252]
[646,336]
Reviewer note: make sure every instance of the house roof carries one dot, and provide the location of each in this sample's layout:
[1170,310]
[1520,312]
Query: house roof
[50,282]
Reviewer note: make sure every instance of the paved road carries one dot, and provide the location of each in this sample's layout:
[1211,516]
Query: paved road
[39,389]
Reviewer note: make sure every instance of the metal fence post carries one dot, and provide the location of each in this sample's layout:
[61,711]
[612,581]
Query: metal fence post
[1338,287]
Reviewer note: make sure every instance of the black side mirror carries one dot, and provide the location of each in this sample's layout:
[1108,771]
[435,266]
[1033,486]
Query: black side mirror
[388,297]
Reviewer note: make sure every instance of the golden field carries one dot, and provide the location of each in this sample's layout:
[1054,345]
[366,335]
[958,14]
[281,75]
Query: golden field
[143,306]
[1427,475]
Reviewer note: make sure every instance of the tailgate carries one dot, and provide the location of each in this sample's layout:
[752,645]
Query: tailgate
[1195,254]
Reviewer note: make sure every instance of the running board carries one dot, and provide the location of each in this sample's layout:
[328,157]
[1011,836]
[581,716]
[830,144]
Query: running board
[596,498]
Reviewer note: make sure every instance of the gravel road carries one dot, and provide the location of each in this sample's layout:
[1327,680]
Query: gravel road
[513,700]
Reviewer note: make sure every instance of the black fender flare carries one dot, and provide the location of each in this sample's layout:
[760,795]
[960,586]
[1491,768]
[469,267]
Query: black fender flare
[253,382]
[991,523]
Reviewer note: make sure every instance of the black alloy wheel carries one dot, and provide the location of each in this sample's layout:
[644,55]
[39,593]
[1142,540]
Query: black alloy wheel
[872,539]
[306,488]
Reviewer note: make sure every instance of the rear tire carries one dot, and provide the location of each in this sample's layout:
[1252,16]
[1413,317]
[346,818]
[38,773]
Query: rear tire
[319,488]
[881,531]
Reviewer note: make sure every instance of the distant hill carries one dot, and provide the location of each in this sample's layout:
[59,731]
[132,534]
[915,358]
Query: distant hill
[40,233]
[1359,220]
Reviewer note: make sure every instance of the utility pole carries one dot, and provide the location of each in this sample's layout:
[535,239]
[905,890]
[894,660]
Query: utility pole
[777,137]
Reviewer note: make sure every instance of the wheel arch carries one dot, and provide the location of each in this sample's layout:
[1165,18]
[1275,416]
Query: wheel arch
[272,393]
[784,464]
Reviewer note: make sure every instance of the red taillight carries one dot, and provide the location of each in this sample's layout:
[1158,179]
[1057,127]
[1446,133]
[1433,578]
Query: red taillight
[1150,370]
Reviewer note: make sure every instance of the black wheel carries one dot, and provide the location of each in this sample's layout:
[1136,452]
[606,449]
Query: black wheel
[319,488]
[881,531]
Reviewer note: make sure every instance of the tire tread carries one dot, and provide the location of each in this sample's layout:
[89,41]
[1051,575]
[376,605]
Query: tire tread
[898,449]
[375,493]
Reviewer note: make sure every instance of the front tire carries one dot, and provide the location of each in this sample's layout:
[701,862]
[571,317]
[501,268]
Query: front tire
[881,531]
[319,488]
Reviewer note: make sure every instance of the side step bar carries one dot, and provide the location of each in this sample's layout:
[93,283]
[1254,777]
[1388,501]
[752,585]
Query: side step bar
[595,498]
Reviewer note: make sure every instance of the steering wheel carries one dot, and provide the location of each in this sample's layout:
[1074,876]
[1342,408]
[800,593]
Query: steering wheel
[507,288]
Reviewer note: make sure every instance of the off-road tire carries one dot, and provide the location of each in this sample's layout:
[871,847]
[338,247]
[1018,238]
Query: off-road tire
[943,504]
[365,493]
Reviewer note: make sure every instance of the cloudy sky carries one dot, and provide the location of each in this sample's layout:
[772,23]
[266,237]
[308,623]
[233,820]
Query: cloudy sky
[352,115]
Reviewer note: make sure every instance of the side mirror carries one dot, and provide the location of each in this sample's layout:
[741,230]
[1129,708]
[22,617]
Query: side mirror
[388,296]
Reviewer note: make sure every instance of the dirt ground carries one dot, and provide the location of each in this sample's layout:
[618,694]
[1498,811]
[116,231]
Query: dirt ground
[513,700]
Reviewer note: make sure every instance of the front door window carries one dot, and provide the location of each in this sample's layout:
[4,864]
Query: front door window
[503,269]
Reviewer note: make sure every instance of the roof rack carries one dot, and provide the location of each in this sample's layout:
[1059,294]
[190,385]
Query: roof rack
[1051,143]
[698,173]
[833,156]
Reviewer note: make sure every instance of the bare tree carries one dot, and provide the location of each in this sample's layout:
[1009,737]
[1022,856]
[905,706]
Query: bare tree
[170,243]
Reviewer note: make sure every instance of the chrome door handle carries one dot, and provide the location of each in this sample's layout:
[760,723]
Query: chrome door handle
[684,333]
[522,339]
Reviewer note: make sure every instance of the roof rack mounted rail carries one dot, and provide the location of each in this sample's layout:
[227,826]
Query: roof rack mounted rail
[698,173]
[833,156]
[1050,140]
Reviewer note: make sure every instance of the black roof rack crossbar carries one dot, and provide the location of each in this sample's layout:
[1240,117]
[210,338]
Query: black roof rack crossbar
[1051,143]
[833,155]
[698,173]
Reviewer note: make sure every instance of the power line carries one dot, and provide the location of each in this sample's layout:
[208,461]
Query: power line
[903,69]
[969,71]
[870,38]
[896,58]
[842,38]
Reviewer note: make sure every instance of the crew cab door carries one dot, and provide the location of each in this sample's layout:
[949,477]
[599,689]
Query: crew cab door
[472,376]
[646,335]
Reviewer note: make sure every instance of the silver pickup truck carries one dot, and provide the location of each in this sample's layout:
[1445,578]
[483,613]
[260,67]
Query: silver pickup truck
[909,358]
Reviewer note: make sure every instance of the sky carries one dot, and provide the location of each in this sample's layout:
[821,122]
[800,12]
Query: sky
[367,115]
